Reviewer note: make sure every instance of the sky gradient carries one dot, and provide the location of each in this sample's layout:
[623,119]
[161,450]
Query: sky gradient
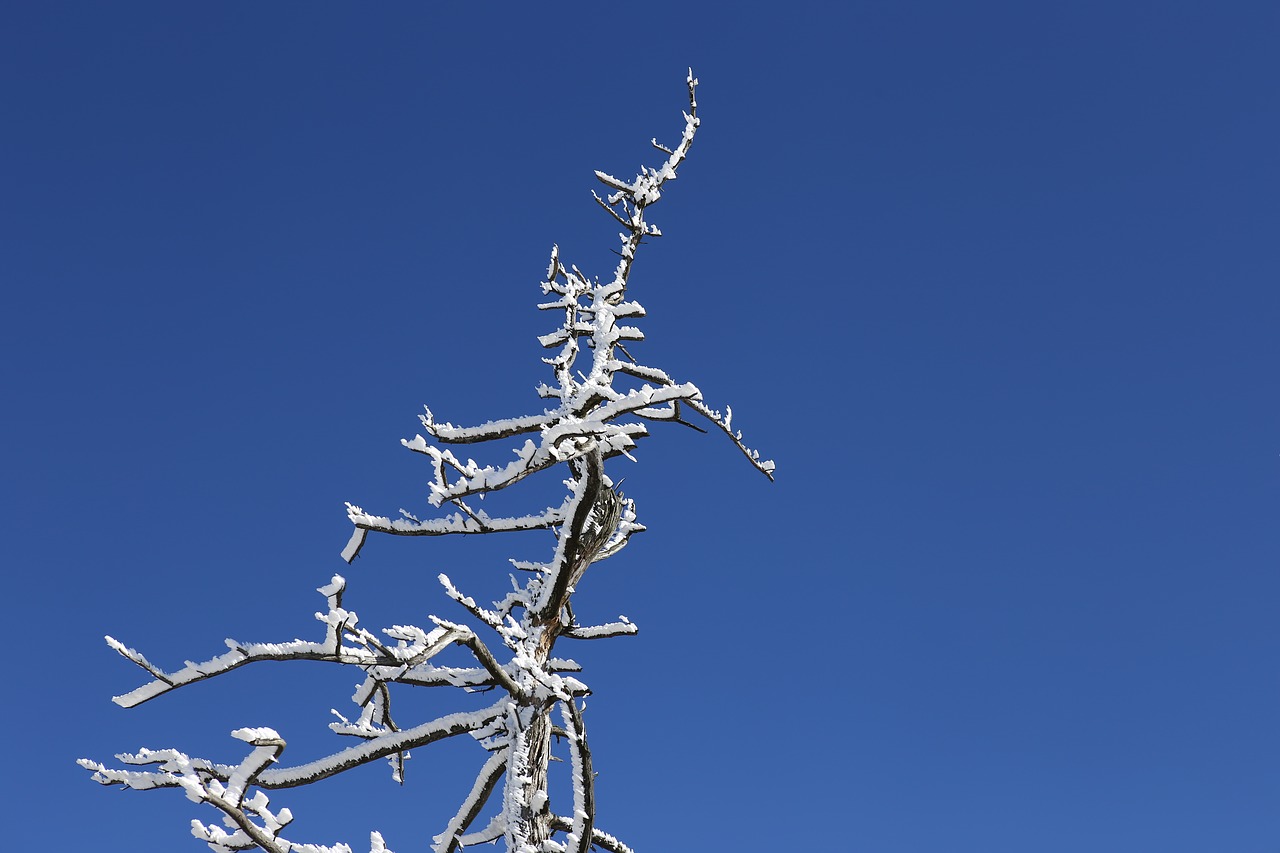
[996,287]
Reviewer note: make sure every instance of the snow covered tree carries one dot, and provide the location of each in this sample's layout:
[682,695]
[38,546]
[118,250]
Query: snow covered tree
[599,410]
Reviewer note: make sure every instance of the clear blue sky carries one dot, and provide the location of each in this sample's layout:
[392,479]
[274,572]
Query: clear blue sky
[994,283]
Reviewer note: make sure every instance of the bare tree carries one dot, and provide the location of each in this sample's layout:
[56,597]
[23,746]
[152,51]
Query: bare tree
[602,404]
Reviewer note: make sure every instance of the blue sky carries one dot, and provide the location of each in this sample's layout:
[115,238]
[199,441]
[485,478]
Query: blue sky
[994,283]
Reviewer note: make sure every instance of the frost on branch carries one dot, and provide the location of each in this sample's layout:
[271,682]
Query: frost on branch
[601,403]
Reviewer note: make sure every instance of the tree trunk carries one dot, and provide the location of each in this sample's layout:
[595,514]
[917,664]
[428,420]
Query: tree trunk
[530,719]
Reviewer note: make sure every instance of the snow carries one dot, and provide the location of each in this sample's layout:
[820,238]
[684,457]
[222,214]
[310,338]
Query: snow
[354,544]
[257,735]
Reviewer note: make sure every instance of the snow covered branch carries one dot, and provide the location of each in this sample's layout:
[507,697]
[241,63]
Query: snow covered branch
[345,643]
[584,779]
[623,628]
[253,823]
[486,781]
[599,402]
[586,420]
